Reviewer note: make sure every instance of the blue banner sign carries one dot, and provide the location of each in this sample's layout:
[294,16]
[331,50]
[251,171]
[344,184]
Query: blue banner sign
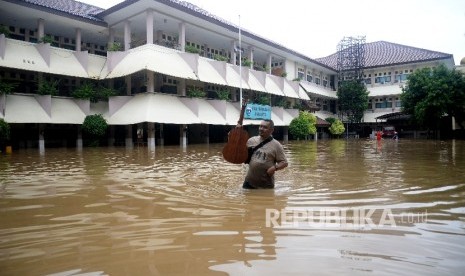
[257,112]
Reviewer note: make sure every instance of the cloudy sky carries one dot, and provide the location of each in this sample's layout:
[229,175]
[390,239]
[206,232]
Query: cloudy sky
[314,28]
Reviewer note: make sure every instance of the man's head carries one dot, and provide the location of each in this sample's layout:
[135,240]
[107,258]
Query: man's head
[266,128]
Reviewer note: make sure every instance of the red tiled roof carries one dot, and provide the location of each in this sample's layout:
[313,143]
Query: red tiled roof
[382,53]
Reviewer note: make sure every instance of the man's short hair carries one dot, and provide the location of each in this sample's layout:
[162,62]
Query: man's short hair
[270,122]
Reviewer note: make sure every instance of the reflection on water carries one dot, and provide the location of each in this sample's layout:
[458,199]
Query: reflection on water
[114,211]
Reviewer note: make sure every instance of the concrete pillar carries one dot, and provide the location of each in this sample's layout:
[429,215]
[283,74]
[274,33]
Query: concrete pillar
[207,134]
[182,35]
[161,139]
[41,138]
[127,35]
[183,136]
[286,134]
[150,81]
[40,28]
[181,87]
[79,138]
[151,136]
[111,137]
[250,56]
[78,39]
[159,36]
[315,137]
[128,142]
[149,26]
[233,94]
[233,52]
[111,35]
[128,85]
[268,64]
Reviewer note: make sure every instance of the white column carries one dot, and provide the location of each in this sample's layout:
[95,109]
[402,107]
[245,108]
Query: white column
[250,57]
[181,87]
[286,134]
[79,138]
[127,35]
[183,136]
[111,36]
[233,52]
[151,136]
[111,137]
[78,39]
[182,35]
[207,134]
[150,81]
[41,139]
[128,85]
[268,63]
[128,142]
[161,139]
[40,28]
[149,26]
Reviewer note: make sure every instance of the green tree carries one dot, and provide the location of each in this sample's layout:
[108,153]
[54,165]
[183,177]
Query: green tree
[95,126]
[337,127]
[433,93]
[303,125]
[353,99]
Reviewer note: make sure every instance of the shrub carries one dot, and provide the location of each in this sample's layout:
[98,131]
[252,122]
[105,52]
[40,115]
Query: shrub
[303,125]
[95,125]
[191,49]
[222,94]
[46,39]
[86,91]
[7,88]
[194,92]
[4,130]
[114,46]
[48,87]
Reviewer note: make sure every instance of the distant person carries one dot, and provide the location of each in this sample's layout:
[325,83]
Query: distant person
[266,157]
[395,136]
[378,135]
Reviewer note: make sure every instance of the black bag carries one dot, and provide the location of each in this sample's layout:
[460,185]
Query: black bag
[251,150]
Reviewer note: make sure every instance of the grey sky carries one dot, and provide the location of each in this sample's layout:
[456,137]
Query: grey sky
[314,28]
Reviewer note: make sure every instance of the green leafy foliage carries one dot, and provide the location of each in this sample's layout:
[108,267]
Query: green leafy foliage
[46,39]
[114,46]
[432,93]
[4,130]
[46,87]
[262,99]
[191,49]
[303,125]
[95,125]
[4,30]
[337,127]
[6,87]
[353,99]
[223,94]
[194,92]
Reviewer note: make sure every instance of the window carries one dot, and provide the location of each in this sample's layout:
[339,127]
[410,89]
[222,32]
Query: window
[309,77]
[300,73]
[401,77]
[368,81]
[317,80]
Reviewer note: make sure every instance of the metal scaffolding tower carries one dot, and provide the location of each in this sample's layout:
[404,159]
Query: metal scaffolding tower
[351,58]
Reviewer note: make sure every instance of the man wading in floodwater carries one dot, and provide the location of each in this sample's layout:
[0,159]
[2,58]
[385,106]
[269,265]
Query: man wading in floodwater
[266,156]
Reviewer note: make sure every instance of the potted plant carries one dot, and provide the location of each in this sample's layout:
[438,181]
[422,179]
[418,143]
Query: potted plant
[246,62]
[191,49]
[223,94]
[4,30]
[86,91]
[46,87]
[194,92]
[7,88]
[114,46]
[46,39]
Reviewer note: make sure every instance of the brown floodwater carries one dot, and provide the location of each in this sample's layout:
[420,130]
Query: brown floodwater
[341,207]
